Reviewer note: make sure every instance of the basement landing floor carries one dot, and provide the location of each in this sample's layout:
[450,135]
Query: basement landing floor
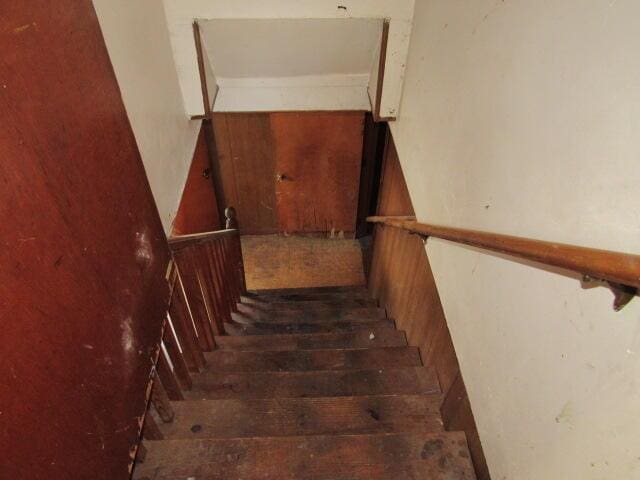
[277,261]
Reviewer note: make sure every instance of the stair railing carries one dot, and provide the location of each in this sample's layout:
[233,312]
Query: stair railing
[620,271]
[206,280]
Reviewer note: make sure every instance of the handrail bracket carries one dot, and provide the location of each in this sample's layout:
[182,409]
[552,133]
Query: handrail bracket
[622,294]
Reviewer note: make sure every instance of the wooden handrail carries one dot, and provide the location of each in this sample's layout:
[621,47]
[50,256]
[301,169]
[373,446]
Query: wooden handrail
[614,267]
[181,241]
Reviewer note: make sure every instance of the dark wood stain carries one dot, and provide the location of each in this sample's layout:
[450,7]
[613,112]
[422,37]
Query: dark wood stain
[321,416]
[270,328]
[389,381]
[357,457]
[365,338]
[402,280]
[83,253]
[299,361]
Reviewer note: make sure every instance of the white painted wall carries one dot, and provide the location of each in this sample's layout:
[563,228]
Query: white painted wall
[292,64]
[285,47]
[181,13]
[523,117]
[138,43]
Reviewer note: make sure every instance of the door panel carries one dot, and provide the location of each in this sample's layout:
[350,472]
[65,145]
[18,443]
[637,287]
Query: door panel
[82,251]
[295,172]
[247,164]
[318,158]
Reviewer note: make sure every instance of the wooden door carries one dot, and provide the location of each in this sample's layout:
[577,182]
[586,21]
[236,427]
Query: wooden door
[294,172]
[318,158]
[82,252]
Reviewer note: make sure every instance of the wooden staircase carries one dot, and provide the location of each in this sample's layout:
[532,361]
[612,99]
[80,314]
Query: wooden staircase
[307,384]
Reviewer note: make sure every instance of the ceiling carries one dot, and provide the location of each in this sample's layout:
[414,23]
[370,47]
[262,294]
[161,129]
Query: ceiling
[283,48]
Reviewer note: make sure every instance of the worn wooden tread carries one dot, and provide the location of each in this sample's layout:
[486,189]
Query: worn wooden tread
[326,383]
[318,304]
[358,314]
[304,416]
[308,360]
[363,338]
[304,296]
[271,328]
[430,456]
[351,289]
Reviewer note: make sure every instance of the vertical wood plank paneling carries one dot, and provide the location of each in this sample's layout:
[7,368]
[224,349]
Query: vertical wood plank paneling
[402,280]
[247,165]
[318,156]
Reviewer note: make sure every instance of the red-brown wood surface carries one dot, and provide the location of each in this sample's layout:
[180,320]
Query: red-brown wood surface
[318,158]
[401,279]
[82,252]
[198,211]
[617,267]
[247,169]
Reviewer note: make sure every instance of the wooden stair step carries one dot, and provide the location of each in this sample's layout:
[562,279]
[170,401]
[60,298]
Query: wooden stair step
[363,338]
[305,295]
[326,383]
[270,328]
[432,456]
[247,313]
[318,304]
[307,360]
[304,416]
[350,289]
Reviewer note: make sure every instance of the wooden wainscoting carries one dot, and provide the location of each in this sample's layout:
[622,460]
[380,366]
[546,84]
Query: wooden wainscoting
[401,279]
[293,172]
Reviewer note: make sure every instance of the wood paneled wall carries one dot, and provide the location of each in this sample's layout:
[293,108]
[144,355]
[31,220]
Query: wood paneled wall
[83,254]
[247,167]
[198,210]
[294,172]
[401,279]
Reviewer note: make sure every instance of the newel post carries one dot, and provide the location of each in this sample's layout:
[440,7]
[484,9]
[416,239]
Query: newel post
[231,219]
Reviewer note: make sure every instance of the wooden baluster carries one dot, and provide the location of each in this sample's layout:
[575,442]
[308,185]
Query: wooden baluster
[219,269]
[233,264]
[177,359]
[231,218]
[232,222]
[227,275]
[217,283]
[243,282]
[195,297]
[208,282]
[141,453]
[168,379]
[160,401]
[225,304]
[151,431]
[185,330]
